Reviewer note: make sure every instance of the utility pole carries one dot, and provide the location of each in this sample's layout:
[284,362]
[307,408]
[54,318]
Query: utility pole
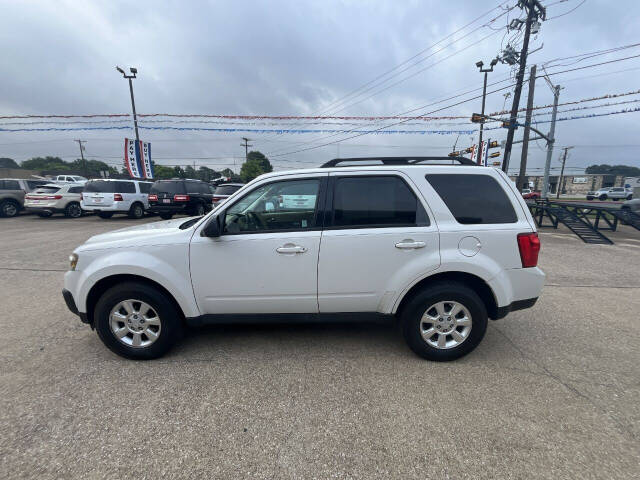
[484,95]
[246,147]
[134,71]
[534,9]
[552,139]
[527,129]
[564,160]
[84,162]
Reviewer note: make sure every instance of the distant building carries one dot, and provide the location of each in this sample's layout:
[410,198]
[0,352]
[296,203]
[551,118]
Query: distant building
[575,184]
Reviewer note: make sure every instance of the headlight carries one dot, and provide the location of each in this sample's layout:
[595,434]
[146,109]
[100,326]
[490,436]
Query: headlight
[73,261]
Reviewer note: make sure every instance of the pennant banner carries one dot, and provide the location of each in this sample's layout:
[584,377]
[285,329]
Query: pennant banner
[145,149]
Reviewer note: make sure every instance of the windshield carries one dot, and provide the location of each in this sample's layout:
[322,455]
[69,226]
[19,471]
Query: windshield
[168,187]
[227,189]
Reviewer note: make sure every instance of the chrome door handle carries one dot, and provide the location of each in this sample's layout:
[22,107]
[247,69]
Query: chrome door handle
[291,248]
[410,244]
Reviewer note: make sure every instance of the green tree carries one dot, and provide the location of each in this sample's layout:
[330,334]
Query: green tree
[47,163]
[626,170]
[162,172]
[256,165]
[8,163]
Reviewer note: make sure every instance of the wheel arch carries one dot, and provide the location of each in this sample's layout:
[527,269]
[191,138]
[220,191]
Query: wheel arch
[107,282]
[476,283]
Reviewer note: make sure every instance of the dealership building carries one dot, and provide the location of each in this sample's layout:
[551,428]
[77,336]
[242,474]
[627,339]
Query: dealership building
[578,184]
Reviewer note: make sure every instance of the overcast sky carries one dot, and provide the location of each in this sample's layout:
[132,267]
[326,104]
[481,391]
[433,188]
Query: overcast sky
[296,58]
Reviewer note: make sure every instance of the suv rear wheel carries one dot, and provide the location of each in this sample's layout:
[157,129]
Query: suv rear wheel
[198,210]
[602,197]
[136,211]
[137,321]
[9,208]
[444,321]
[73,210]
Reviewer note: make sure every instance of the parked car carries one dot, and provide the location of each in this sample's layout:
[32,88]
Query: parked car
[55,198]
[441,247]
[186,196]
[12,192]
[70,179]
[528,193]
[633,205]
[613,193]
[224,191]
[107,197]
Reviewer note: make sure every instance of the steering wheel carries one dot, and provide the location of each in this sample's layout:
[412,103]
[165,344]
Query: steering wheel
[253,217]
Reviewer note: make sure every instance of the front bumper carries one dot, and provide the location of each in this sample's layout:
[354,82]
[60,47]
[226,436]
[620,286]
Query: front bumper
[71,305]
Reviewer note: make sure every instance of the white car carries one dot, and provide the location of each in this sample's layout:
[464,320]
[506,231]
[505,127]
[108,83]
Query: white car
[70,179]
[55,198]
[441,247]
[107,197]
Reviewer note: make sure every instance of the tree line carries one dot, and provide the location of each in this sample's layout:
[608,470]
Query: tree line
[256,164]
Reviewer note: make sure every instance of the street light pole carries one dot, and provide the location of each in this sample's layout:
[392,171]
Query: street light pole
[134,71]
[564,160]
[484,97]
[552,139]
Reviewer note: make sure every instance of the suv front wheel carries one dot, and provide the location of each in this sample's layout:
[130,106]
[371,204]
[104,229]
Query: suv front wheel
[137,321]
[444,321]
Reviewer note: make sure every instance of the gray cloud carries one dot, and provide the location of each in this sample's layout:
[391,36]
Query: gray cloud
[289,57]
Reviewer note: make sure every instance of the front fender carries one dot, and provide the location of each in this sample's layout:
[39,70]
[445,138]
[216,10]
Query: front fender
[168,268]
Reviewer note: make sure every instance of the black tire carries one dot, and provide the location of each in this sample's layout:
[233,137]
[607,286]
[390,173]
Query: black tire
[629,197]
[136,211]
[170,330]
[105,214]
[589,197]
[602,197]
[45,214]
[73,210]
[413,311]
[9,208]
[614,199]
[199,210]
[166,216]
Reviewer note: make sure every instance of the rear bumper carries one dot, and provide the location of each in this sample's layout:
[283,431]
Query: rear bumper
[114,207]
[71,305]
[43,208]
[168,208]
[517,305]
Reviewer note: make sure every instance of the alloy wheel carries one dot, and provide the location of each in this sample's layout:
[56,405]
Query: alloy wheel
[135,323]
[445,325]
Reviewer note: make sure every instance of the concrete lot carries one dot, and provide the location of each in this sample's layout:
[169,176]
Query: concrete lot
[552,392]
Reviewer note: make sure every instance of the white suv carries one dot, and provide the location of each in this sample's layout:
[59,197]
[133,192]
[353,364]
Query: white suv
[440,247]
[106,197]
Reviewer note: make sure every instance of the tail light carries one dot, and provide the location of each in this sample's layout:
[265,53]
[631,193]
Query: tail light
[117,197]
[529,246]
[181,198]
[217,199]
[153,198]
[44,197]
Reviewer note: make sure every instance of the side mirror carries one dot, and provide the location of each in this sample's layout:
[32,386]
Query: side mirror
[212,229]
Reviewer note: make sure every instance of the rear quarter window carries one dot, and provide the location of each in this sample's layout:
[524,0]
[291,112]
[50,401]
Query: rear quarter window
[473,199]
[9,185]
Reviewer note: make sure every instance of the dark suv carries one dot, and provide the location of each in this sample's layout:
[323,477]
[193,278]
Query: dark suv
[169,197]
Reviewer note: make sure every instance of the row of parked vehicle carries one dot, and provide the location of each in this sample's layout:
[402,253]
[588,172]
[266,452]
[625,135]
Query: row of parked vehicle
[106,197]
[611,193]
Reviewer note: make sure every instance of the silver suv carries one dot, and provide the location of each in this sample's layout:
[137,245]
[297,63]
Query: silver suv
[55,198]
[12,193]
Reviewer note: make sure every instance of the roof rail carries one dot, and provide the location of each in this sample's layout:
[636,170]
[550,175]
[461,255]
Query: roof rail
[396,161]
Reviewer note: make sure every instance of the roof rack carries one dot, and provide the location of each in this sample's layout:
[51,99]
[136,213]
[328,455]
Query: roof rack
[396,161]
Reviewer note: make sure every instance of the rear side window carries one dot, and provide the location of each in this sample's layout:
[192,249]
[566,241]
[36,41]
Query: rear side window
[34,183]
[375,201]
[75,190]
[9,185]
[126,187]
[168,187]
[144,187]
[473,199]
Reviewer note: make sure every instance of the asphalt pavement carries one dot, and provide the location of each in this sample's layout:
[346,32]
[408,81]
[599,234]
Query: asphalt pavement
[551,392]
